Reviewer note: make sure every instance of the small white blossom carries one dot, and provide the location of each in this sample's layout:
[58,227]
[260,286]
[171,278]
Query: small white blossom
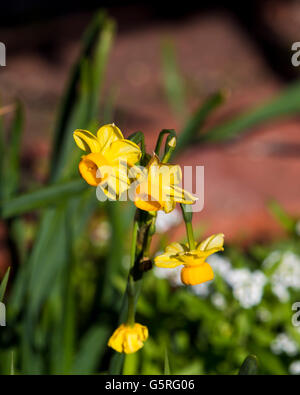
[166,221]
[284,344]
[286,275]
[247,286]
[218,300]
[220,265]
[272,258]
[294,367]
[173,276]
[280,290]
[201,290]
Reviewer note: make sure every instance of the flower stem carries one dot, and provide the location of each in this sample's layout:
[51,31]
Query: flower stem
[187,216]
[190,235]
[130,283]
[141,239]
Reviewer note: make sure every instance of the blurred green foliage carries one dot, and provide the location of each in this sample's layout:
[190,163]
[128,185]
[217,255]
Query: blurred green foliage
[70,267]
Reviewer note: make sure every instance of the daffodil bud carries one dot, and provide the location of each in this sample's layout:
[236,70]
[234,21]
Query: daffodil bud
[172,142]
[128,339]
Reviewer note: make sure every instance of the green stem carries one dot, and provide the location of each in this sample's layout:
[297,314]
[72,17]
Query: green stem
[187,216]
[151,232]
[190,235]
[141,239]
[169,149]
[133,245]
[167,156]
[130,283]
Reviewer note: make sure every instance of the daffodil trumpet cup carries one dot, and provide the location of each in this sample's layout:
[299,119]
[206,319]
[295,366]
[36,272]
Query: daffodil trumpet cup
[195,269]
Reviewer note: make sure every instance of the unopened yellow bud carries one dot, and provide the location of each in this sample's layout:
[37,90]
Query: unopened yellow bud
[128,339]
[172,142]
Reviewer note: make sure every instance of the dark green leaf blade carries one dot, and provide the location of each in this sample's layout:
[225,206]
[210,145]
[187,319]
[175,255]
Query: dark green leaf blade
[43,197]
[4,284]
[195,123]
[249,366]
[286,103]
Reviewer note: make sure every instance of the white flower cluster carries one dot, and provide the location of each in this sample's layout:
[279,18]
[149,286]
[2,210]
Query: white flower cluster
[286,275]
[294,367]
[220,265]
[166,221]
[247,286]
[202,290]
[173,276]
[284,344]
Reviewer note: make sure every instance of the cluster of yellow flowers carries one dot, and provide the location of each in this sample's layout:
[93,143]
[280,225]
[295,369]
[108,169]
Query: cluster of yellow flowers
[109,162]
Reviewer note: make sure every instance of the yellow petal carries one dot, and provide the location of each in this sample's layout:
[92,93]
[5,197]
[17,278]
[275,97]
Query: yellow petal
[154,161]
[174,248]
[107,134]
[166,261]
[128,339]
[145,203]
[214,242]
[124,150]
[115,184]
[180,195]
[169,206]
[175,174]
[132,343]
[86,141]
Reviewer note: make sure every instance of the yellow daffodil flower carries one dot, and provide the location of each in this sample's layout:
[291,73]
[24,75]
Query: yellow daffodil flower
[158,187]
[195,270]
[108,156]
[128,339]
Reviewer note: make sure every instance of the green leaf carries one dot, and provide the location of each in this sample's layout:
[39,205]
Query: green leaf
[46,274]
[196,122]
[11,174]
[71,93]
[4,284]
[81,109]
[139,139]
[12,364]
[91,350]
[286,103]
[43,197]
[285,220]
[174,84]
[99,62]
[116,363]
[249,366]
[166,363]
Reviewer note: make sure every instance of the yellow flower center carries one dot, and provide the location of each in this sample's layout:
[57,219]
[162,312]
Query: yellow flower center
[89,168]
